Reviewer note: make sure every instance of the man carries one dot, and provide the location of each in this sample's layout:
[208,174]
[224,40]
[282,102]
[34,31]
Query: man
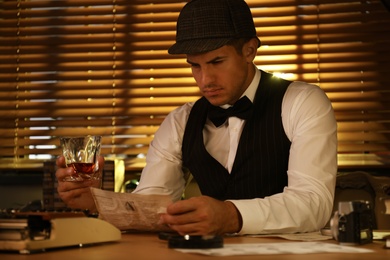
[270,168]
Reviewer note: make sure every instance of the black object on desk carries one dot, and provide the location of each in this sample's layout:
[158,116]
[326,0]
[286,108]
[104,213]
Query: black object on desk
[200,242]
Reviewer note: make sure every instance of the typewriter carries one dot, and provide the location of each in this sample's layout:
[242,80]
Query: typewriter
[28,232]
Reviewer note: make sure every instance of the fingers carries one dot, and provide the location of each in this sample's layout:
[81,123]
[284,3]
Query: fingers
[70,194]
[60,162]
[61,173]
[182,206]
[202,216]
[76,194]
[189,217]
[80,198]
[190,229]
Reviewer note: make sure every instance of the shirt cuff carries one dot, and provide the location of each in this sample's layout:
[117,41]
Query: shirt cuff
[253,219]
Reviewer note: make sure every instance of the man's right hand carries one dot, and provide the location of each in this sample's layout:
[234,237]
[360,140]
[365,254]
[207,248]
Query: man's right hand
[76,194]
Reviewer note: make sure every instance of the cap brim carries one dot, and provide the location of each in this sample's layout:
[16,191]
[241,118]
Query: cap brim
[197,46]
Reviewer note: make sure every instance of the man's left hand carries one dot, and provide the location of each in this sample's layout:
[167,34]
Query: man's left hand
[202,216]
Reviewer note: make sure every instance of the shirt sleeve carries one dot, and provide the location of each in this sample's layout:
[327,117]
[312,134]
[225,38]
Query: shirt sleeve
[163,173]
[306,203]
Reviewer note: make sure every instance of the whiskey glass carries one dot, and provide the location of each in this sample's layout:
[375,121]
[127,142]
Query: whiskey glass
[81,153]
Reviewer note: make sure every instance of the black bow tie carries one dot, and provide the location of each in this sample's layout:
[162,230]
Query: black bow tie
[241,109]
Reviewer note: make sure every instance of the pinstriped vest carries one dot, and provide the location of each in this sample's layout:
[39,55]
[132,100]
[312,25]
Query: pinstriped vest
[260,166]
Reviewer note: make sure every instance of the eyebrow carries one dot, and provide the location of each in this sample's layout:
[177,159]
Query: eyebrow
[210,61]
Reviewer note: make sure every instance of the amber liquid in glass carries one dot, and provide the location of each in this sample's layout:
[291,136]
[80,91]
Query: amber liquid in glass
[85,170]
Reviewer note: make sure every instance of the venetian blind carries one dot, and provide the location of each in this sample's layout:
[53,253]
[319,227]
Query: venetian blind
[101,67]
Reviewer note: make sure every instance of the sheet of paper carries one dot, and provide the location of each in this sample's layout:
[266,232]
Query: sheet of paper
[128,211]
[276,248]
[311,236]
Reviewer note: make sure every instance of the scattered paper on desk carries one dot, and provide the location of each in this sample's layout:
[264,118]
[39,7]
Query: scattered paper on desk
[276,248]
[309,237]
[128,211]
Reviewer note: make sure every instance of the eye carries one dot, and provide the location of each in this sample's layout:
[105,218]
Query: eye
[217,61]
[194,66]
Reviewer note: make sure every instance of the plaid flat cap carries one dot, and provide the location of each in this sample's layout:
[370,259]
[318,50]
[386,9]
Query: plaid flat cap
[206,25]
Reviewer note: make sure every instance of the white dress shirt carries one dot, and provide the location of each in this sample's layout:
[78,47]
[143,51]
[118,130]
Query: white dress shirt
[307,201]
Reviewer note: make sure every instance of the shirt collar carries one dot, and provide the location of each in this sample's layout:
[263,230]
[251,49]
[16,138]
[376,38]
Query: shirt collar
[251,90]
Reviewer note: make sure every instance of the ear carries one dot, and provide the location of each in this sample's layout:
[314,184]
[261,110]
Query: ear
[250,49]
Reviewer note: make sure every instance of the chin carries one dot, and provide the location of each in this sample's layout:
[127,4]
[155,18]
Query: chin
[216,101]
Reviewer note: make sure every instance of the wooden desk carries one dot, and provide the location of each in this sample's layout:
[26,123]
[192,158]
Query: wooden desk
[148,246]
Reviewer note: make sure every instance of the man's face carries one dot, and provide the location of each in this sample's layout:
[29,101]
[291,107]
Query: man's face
[222,75]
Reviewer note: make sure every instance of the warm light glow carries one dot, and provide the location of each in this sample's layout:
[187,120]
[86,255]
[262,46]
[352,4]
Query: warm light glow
[289,76]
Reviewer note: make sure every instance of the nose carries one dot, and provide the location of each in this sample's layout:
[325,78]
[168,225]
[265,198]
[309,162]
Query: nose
[207,76]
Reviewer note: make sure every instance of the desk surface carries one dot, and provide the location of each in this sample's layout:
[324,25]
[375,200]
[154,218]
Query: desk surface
[148,246]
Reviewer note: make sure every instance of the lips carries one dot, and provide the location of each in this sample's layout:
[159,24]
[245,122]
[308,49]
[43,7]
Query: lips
[212,92]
